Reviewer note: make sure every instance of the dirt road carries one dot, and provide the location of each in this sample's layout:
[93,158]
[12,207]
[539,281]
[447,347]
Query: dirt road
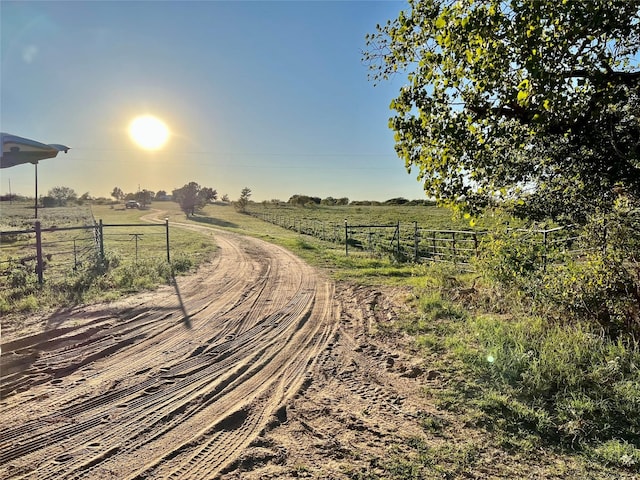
[172,384]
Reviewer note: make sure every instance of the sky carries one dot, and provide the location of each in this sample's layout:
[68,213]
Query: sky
[263,94]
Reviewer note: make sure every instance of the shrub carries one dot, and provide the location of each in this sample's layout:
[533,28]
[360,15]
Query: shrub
[27,304]
[617,453]
[511,256]
[181,263]
[599,281]
[604,285]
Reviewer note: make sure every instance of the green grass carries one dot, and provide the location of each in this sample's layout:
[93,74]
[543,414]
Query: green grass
[530,383]
[20,216]
[425,216]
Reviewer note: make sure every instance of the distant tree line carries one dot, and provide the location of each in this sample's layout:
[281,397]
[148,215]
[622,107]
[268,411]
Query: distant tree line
[193,198]
[144,197]
[304,200]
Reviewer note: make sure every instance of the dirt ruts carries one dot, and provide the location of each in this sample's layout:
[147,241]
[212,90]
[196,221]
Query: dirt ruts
[175,383]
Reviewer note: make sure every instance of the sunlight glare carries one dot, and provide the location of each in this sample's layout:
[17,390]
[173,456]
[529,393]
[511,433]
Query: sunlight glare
[149,132]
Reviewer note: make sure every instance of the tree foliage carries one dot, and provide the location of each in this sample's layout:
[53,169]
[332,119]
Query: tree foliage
[117,193]
[243,201]
[62,195]
[192,197]
[334,201]
[144,197]
[302,200]
[533,102]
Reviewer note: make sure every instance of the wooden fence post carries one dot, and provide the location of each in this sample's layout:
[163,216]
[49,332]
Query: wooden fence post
[101,235]
[75,256]
[544,250]
[166,224]
[433,242]
[453,246]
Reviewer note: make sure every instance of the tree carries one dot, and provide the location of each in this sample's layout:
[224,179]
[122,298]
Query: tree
[207,195]
[532,103]
[144,197]
[303,200]
[225,198]
[192,197]
[85,197]
[243,201]
[117,194]
[62,195]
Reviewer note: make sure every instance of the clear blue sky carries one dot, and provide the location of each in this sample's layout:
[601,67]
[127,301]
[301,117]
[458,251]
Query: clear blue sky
[269,95]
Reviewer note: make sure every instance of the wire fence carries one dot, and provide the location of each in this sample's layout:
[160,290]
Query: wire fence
[59,252]
[414,243]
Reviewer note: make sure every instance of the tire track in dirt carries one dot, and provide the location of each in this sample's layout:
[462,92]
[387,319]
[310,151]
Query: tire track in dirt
[150,387]
[360,405]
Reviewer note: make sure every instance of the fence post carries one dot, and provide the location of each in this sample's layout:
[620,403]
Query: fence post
[433,242]
[398,239]
[101,235]
[453,247]
[75,256]
[544,251]
[475,243]
[166,224]
[40,264]
[416,241]
[346,238]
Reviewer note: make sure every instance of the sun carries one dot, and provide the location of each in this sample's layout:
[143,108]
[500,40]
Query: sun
[149,132]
